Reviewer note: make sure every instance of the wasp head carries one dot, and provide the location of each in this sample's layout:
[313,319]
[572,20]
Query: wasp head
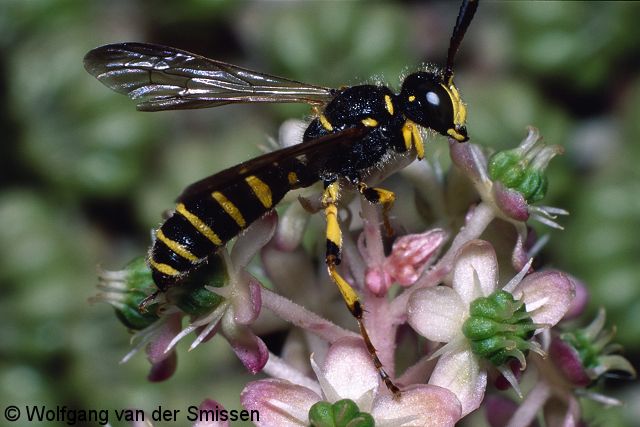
[432,101]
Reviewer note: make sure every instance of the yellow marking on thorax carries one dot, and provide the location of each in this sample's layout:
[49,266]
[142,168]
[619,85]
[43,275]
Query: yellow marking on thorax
[388,104]
[325,123]
[370,122]
[412,98]
[229,208]
[261,190]
[199,225]
[292,177]
[176,247]
[164,268]
[412,138]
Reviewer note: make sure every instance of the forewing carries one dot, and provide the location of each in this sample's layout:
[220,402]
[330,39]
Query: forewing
[165,78]
[328,146]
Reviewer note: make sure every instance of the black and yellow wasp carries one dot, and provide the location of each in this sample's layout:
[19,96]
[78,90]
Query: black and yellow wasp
[355,130]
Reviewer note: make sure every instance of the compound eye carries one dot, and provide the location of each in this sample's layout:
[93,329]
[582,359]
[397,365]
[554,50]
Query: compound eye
[439,110]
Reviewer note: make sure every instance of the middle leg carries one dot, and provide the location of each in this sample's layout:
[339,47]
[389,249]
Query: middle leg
[379,196]
[349,295]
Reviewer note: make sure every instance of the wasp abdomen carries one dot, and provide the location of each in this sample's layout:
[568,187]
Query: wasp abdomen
[203,223]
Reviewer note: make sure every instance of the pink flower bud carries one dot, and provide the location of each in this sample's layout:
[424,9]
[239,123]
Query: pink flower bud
[378,281]
[411,254]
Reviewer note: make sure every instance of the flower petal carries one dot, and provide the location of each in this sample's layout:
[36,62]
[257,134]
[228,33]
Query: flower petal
[437,313]
[288,270]
[253,239]
[163,369]
[207,414]
[247,301]
[460,373]
[511,202]
[579,302]
[476,259]
[498,410]
[567,359]
[349,370]
[156,349]
[547,295]
[280,403]
[424,405]
[249,348]
[291,227]
[470,159]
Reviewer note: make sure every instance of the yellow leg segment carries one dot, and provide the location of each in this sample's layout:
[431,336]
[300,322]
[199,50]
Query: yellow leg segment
[413,138]
[380,196]
[349,295]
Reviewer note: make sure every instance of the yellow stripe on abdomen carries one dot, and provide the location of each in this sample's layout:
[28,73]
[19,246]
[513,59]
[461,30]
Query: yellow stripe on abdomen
[165,269]
[229,208]
[261,190]
[199,225]
[176,247]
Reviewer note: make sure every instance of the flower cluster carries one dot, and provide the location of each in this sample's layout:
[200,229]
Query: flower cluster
[460,308]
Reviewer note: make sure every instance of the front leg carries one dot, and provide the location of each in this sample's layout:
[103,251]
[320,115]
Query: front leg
[349,295]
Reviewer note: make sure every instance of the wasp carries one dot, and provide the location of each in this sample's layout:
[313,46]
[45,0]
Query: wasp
[355,130]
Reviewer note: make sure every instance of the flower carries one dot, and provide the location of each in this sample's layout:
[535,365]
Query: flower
[409,257]
[511,181]
[209,413]
[348,381]
[442,314]
[241,300]
[221,296]
[585,355]
[522,168]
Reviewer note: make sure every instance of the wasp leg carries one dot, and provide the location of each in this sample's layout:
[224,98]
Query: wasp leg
[412,138]
[143,307]
[334,247]
[379,196]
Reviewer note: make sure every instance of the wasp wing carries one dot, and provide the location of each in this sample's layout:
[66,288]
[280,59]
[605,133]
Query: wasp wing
[320,148]
[165,78]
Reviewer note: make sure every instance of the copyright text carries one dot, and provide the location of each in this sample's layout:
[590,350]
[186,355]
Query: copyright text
[73,416]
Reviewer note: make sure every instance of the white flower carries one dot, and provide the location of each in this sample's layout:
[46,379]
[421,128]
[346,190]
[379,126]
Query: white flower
[349,373]
[439,314]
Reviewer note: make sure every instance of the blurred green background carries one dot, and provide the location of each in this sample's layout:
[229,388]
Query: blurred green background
[84,176]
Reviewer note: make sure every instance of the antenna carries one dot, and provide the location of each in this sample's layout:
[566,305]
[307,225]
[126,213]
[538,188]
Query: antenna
[465,15]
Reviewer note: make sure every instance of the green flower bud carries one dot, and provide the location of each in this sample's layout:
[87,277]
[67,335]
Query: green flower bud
[498,306]
[522,168]
[125,290]
[499,328]
[593,349]
[343,413]
[479,328]
[321,415]
[192,297]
